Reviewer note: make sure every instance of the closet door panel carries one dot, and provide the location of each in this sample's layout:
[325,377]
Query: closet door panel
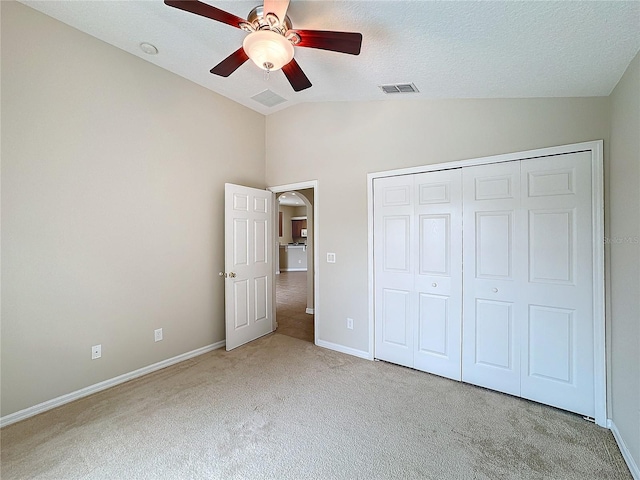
[492,277]
[395,299]
[438,276]
[557,336]
[433,328]
[493,334]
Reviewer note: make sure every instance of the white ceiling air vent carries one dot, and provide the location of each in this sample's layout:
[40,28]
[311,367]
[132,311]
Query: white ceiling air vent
[399,88]
[268,98]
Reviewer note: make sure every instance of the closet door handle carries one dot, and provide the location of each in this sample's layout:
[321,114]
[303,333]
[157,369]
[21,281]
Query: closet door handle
[495,290]
[434,284]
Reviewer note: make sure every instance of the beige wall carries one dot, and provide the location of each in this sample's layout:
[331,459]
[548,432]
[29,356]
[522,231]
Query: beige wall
[113,175]
[300,211]
[342,142]
[624,234]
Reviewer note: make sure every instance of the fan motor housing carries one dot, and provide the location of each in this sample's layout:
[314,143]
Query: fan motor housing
[259,22]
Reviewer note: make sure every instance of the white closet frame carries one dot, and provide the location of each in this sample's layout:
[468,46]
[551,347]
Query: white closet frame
[597,200]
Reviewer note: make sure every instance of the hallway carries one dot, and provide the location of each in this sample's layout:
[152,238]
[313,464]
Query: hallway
[291,303]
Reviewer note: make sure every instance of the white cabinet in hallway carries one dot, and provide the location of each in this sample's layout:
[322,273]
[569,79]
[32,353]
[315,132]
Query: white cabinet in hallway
[485,274]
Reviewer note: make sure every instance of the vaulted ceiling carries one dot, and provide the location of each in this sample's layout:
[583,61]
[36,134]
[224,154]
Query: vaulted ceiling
[456,49]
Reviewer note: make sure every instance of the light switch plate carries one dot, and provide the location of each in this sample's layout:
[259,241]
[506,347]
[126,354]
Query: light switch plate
[331,258]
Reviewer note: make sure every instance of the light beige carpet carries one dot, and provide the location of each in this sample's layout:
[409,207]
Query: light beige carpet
[283,408]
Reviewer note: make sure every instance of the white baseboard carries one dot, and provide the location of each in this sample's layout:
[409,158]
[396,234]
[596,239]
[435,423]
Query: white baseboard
[343,349]
[633,466]
[91,389]
[293,269]
[309,311]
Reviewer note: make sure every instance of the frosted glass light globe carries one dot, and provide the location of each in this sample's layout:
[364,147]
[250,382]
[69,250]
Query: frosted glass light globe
[268,50]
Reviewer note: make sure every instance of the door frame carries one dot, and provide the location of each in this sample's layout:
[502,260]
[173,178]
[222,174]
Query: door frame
[316,257]
[597,213]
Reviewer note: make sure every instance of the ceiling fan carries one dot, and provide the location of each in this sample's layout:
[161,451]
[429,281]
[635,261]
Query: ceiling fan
[271,39]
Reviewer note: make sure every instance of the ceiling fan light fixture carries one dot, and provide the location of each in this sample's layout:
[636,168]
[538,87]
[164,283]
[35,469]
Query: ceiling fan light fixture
[268,50]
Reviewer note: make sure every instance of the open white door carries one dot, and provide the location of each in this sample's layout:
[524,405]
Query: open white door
[248,259]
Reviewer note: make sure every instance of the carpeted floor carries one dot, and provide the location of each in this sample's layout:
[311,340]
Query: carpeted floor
[291,305]
[283,408]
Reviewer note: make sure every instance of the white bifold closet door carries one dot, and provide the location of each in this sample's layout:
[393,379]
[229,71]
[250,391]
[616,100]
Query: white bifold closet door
[508,304]
[557,344]
[393,258]
[491,349]
[528,315]
[418,265]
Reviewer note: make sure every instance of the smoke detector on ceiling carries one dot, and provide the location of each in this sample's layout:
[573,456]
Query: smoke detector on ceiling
[149,48]
[399,88]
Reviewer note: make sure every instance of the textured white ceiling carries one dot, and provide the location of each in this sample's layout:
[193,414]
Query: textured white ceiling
[456,49]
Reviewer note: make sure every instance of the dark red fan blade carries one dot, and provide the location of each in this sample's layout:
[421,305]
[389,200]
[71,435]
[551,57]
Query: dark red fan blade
[343,42]
[296,76]
[230,64]
[199,8]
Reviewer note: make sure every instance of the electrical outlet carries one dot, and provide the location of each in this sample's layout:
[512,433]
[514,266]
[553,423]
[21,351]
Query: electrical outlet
[331,258]
[157,334]
[350,323]
[96,352]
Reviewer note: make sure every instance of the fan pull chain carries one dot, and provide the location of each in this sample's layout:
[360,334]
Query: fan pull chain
[267,69]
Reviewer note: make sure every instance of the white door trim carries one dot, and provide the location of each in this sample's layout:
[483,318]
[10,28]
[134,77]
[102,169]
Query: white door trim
[316,236]
[596,149]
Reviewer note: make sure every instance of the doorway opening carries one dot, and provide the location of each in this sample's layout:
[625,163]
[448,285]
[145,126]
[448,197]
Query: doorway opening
[292,318]
[295,275]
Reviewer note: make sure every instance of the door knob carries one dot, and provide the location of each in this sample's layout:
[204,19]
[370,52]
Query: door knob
[434,284]
[495,290]
[232,275]
[222,274]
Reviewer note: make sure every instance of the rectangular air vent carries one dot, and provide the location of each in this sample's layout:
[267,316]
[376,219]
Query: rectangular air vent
[268,98]
[399,88]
